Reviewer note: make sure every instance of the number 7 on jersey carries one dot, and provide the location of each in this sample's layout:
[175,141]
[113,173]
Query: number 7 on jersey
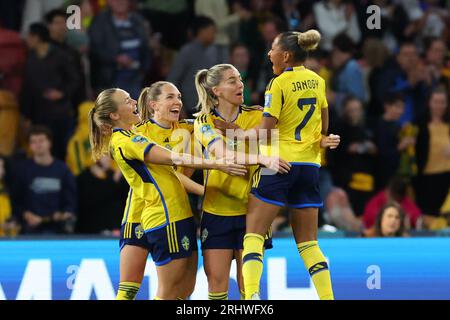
[301,103]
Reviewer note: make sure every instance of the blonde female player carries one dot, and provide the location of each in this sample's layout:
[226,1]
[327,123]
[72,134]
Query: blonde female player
[159,105]
[167,222]
[296,105]
[220,91]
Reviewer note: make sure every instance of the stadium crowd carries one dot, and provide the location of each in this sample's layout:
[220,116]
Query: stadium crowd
[387,88]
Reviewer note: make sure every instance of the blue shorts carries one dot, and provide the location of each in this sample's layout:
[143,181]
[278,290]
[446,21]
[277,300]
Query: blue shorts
[175,241]
[132,234]
[299,188]
[225,232]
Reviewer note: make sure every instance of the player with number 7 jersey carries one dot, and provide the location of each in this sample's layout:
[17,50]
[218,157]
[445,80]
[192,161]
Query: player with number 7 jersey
[296,98]
[296,105]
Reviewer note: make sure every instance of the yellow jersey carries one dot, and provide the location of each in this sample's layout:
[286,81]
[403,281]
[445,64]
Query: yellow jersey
[177,138]
[225,195]
[296,98]
[157,185]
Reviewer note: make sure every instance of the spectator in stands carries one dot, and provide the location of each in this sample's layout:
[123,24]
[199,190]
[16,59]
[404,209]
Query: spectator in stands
[240,58]
[261,68]
[406,74]
[12,63]
[387,138]
[395,192]
[102,213]
[43,190]
[35,10]
[50,82]
[334,17]
[193,56]
[347,79]
[227,23]
[434,22]
[57,27]
[390,222]
[433,156]
[355,157]
[435,55]
[375,55]
[339,211]
[79,155]
[120,55]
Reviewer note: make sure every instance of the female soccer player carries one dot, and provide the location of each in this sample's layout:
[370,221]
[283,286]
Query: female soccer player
[159,106]
[220,91]
[167,222]
[296,105]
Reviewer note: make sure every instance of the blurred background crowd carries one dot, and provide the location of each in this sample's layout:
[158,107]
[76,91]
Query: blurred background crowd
[387,88]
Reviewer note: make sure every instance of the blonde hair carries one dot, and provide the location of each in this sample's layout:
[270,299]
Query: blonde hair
[100,123]
[147,95]
[308,40]
[205,80]
[299,43]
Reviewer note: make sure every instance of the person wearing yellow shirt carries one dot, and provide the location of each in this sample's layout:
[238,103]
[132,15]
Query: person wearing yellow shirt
[220,91]
[79,156]
[296,107]
[160,105]
[166,221]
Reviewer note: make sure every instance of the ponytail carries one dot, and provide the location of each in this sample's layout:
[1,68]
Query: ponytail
[100,123]
[299,43]
[308,40]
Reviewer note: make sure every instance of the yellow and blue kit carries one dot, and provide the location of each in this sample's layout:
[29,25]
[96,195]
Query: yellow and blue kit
[166,218]
[296,99]
[226,196]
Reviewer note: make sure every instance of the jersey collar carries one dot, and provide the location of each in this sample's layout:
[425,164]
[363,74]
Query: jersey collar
[159,125]
[295,68]
[216,113]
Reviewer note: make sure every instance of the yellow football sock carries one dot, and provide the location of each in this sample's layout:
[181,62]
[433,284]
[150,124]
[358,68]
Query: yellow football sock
[157,298]
[217,295]
[127,290]
[317,267]
[252,263]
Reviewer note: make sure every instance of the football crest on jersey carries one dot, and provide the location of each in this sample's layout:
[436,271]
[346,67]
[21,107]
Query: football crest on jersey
[207,130]
[139,231]
[204,234]
[185,243]
[139,139]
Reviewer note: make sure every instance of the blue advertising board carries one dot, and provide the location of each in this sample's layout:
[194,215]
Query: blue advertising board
[406,268]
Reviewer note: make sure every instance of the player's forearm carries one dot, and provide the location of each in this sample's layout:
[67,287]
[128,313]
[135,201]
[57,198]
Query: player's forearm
[191,186]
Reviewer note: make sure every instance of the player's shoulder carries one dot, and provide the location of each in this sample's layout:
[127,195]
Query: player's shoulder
[250,110]
[121,137]
[203,119]
[186,124]
[143,123]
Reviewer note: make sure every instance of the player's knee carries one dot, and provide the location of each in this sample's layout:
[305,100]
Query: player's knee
[218,281]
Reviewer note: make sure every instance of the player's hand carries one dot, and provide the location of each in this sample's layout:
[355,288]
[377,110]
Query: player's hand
[332,141]
[277,164]
[222,126]
[229,166]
